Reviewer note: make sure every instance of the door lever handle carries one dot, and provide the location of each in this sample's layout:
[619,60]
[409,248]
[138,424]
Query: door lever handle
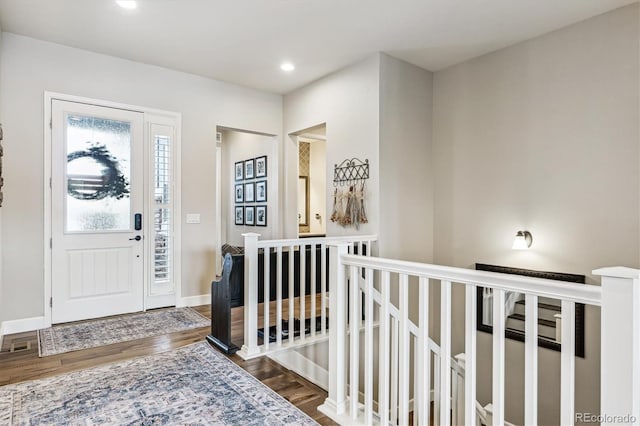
[136,238]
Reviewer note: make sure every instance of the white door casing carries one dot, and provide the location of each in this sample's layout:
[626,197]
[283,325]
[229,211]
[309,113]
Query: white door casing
[97,265]
[160,227]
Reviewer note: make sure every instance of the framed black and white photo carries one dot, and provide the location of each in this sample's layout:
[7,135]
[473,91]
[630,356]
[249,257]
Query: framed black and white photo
[239,193]
[249,192]
[239,215]
[249,173]
[261,191]
[261,215]
[239,170]
[249,215]
[261,166]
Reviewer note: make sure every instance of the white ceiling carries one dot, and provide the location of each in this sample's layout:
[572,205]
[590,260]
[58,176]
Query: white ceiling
[244,41]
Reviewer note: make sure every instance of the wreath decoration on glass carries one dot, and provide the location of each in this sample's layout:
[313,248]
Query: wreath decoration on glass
[112,182]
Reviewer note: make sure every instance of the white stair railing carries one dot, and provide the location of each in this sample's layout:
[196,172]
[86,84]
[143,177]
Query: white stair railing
[311,254]
[484,415]
[351,401]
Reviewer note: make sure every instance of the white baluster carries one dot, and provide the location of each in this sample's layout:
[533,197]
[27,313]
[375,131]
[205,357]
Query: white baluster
[368,347]
[568,364]
[313,291]
[436,389]
[424,356]
[471,297]
[383,353]
[291,294]
[279,285]
[303,283]
[267,295]
[323,289]
[445,353]
[395,331]
[459,380]
[531,360]
[336,399]
[250,347]
[454,397]
[354,330]
[498,357]
[403,370]
[416,382]
[489,410]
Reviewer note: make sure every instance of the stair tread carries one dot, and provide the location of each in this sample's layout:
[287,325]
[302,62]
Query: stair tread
[541,321]
[543,305]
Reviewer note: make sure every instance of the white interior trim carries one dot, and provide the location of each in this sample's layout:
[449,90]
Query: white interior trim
[202,299]
[218,212]
[309,137]
[21,326]
[150,113]
[303,366]
[152,119]
[303,135]
[48,97]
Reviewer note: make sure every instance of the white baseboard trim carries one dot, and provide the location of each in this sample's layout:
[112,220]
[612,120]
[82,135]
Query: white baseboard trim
[22,325]
[303,366]
[328,409]
[203,299]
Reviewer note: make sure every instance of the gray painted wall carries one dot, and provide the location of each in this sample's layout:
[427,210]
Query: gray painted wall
[542,136]
[347,101]
[31,67]
[406,174]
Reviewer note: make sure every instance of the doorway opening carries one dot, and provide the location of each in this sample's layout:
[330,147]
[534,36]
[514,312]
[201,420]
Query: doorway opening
[312,182]
[247,195]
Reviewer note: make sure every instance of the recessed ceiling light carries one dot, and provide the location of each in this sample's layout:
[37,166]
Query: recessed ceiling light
[287,66]
[127,4]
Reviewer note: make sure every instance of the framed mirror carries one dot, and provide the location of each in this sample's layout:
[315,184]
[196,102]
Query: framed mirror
[549,310]
[303,201]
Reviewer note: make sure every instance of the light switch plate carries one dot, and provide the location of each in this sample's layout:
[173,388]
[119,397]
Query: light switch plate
[193,218]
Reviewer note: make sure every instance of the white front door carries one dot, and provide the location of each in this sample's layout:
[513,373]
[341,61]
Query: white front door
[97,205]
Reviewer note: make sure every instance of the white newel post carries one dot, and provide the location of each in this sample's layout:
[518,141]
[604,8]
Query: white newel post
[336,402]
[250,347]
[620,346]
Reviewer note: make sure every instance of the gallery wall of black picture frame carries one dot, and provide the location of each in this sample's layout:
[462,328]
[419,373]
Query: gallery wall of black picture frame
[250,186]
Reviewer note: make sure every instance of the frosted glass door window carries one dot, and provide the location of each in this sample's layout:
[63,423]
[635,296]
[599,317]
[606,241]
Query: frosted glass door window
[98,174]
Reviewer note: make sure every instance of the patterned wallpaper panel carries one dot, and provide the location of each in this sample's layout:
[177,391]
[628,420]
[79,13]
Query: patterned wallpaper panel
[304,160]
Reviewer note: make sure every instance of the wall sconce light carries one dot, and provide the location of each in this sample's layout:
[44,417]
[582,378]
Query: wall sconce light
[522,241]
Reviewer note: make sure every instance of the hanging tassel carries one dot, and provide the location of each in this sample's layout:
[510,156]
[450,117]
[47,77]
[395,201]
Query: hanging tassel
[335,215]
[356,209]
[363,214]
[347,219]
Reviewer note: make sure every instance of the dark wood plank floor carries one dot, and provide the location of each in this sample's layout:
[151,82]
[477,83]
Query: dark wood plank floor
[26,365]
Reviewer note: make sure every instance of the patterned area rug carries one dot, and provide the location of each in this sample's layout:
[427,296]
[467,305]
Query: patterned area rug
[106,331]
[191,385]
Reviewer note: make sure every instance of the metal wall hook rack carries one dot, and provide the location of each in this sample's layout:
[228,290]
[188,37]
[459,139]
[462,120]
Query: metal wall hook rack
[350,171]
